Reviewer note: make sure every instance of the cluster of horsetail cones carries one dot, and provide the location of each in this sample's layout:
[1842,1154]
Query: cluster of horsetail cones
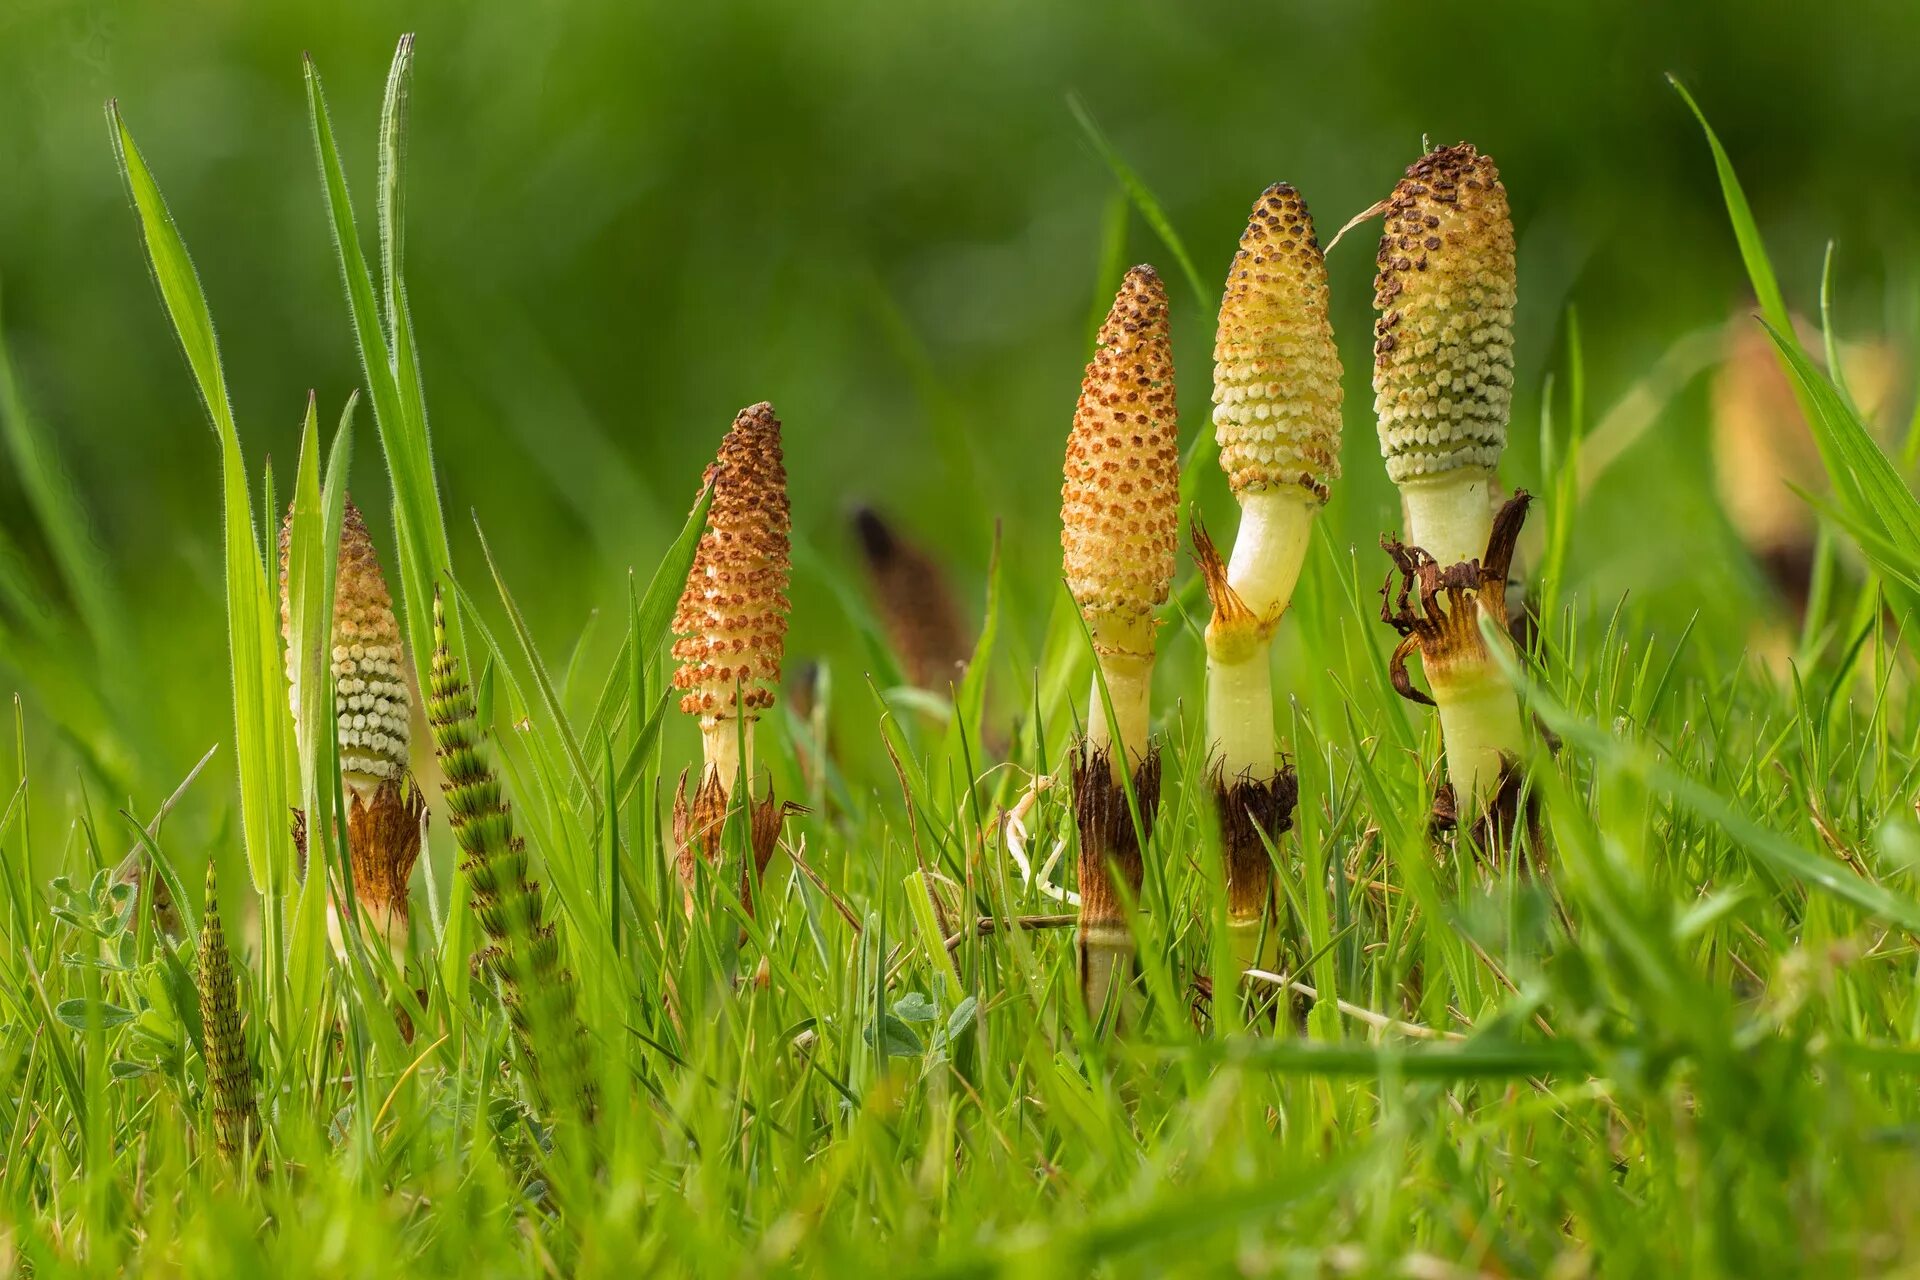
[1442,377]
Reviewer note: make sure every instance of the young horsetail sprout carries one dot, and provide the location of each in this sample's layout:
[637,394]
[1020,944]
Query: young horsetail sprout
[1443,382]
[524,952]
[1276,394]
[236,1114]
[731,629]
[1443,350]
[373,709]
[1119,515]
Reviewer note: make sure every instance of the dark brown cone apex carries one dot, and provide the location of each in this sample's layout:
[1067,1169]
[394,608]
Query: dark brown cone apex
[700,823]
[1445,627]
[1252,815]
[1110,844]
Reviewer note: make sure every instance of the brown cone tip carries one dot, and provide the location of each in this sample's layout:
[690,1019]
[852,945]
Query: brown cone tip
[372,704]
[915,602]
[732,620]
[1276,371]
[1120,500]
[1443,348]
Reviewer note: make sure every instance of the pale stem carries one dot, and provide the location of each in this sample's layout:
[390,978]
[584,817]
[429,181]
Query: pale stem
[1240,711]
[1109,964]
[1479,725]
[1449,516]
[1250,942]
[1268,552]
[1129,680]
[723,743]
[1271,547]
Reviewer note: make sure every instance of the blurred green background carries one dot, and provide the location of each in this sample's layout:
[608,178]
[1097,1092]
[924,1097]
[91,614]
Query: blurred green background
[628,219]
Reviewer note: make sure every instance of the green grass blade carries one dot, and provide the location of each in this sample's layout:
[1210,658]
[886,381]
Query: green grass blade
[1143,199]
[1863,476]
[313,552]
[260,735]
[61,514]
[424,555]
[651,618]
[1753,251]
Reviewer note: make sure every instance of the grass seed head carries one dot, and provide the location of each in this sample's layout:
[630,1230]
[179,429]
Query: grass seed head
[372,705]
[1120,501]
[1276,371]
[732,620]
[1443,349]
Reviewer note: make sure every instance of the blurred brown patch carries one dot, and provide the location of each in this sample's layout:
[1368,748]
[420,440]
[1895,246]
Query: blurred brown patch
[914,599]
[1763,448]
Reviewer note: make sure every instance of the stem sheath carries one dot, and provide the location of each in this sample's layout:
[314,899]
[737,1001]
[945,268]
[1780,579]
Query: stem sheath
[1450,515]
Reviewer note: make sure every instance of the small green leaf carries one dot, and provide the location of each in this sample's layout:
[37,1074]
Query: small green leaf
[894,1038]
[915,1007]
[83,1015]
[961,1018]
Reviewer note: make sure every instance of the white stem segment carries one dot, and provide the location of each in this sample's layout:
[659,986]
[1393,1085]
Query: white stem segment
[1108,960]
[723,742]
[1268,552]
[1240,714]
[1479,726]
[1129,680]
[1271,547]
[1450,515]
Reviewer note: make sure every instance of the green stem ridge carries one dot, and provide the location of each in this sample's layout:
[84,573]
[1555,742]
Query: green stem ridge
[524,952]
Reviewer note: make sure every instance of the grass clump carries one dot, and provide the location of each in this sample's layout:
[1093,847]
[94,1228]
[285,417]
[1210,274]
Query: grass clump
[1684,1045]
